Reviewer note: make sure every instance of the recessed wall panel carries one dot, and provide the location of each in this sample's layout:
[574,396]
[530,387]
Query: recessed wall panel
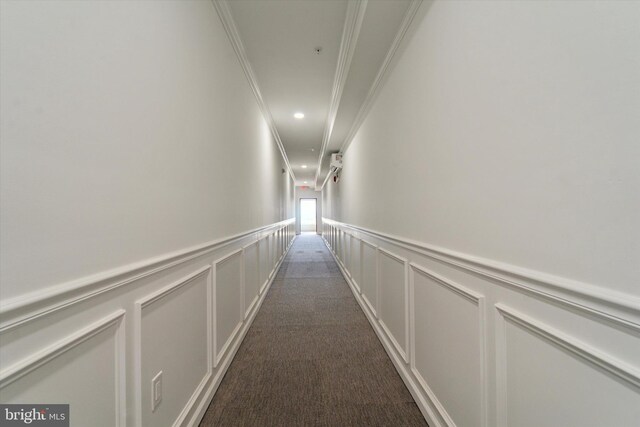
[69,375]
[174,339]
[369,276]
[354,260]
[448,347]
[251,276]
[273,251]
[263,247]
[536,371]
[393,299]
[346,246]
[228,296]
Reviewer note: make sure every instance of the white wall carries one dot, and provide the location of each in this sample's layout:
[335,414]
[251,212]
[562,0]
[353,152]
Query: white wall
[138,179]
[501,157]
[128,131]
[308,193]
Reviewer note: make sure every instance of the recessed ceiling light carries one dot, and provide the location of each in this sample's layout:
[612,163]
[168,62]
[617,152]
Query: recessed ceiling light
[305,182]
[304,166]
[299,115]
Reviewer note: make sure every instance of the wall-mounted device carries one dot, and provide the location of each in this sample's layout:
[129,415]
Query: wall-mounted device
[336,166]
[336,160]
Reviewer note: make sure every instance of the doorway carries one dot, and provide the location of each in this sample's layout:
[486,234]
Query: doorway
[308,215]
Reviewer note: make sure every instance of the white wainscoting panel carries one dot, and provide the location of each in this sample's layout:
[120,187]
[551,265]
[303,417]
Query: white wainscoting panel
[251,277]
[263,249]
[448,346]
[227,286]
[67,372]
[273,251]
[537,363]
[108,334]
[355,266]
[282,242]
[370,276]
[174,331]
[570,361]
[394,297]
[346,249]
[332,238]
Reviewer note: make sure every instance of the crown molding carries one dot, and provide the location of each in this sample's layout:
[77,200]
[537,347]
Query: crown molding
[377,84]
[350,33]
[224,12]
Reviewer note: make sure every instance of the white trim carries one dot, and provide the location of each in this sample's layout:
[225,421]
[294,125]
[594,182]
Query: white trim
[500,350]
[372,245]
[48,354]
[227,344]
[261,242]
[392,255]
[374,310]
[479,301]
[607,305]
[371,307]
[167,290]
[377,84]
[264,286]
[350,33]
[346,252]
[377,282]
[188,407]
[585,352]
[217,355]
[251,306]
[442,412]
[121,369]
[454,287]
[210,319]
[247,310]
[26,308]
[226,17]
[404,352]
[151,298]
[351,252]
[593,356]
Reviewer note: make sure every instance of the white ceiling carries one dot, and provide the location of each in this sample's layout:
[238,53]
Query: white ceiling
[279,38]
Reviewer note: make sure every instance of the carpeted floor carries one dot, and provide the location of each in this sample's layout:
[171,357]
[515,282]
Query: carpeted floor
[311,358]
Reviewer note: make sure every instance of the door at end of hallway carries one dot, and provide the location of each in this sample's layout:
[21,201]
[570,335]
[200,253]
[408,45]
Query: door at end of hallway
[308,215]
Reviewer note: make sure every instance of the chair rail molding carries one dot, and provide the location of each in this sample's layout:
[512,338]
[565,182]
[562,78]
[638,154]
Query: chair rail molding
[475,298]
[595,301]
[26,308]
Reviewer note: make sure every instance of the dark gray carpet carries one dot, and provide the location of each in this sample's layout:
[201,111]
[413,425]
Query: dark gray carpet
[311,358]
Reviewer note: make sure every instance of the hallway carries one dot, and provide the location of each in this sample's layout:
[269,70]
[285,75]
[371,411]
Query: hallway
[470,169]
[311,358]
